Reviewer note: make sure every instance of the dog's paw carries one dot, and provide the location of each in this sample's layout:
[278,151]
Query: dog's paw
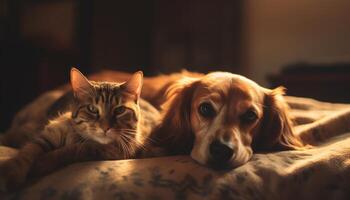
[12,175]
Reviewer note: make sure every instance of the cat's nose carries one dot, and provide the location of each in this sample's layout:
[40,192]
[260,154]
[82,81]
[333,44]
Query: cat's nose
[105,129]
[104,126]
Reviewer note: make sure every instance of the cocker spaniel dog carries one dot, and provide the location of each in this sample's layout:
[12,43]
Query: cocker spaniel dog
[221,119]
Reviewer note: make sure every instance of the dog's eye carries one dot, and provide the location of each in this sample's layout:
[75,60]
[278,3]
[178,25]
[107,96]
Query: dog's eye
[206,110]
[249,116]
[92,109]
[119,110]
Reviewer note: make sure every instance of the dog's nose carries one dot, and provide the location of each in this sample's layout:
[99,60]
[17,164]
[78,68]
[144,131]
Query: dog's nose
[220,152]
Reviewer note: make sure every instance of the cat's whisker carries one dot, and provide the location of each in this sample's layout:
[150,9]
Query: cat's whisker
[126,130]
[126,150]
[138,143]
[146,140]
[129,131]
[130,147]
[121,145]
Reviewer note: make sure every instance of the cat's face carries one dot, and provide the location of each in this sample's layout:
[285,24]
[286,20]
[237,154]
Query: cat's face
[107,112]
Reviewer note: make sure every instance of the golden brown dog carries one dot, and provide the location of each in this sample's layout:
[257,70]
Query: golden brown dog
[221,119]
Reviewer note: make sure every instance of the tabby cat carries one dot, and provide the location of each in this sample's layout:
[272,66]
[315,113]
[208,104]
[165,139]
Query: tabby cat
[103,122]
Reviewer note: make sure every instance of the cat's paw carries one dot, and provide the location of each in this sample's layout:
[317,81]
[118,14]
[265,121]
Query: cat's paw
[12,175]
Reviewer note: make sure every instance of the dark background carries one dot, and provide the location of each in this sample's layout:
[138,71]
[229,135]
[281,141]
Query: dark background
[42,39]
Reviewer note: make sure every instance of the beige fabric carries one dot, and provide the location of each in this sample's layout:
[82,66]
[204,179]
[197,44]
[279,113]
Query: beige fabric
[322,172]
[318,121]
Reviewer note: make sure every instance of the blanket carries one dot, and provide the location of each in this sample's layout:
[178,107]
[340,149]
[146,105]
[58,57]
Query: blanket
[321,172]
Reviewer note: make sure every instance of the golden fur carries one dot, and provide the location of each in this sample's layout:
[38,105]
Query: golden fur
[184,130]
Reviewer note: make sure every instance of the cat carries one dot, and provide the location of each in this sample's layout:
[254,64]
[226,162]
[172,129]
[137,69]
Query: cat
[104,121]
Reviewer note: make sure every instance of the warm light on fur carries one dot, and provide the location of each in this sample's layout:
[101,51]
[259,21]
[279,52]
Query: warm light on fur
[248,118]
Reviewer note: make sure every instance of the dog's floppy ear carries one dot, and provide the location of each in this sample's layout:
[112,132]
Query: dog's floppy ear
[176,131]
[276,131]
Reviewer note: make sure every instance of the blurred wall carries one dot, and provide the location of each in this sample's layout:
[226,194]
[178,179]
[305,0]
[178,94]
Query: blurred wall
[283,32]
[50,25]
[164,36]
[42,39]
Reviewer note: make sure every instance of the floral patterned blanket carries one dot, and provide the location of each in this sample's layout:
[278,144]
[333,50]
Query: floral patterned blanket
[322,172]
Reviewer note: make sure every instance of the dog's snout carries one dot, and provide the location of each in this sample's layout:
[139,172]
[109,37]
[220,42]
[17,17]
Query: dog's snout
[220,152]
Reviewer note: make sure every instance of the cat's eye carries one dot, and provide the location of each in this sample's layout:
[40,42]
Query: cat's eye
[249,117]
[91,108]
[206,110]
[119,110]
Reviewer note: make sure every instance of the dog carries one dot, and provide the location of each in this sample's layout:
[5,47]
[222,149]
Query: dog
[221,119]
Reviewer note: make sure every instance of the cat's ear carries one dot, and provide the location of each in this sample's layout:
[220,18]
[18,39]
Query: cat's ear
[80,84]
[134,84]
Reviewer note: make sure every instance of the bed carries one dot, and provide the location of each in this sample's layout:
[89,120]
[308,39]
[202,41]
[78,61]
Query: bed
[321,172]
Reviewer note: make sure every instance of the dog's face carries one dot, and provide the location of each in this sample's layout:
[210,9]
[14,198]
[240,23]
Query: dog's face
[230,117]
[226,111]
